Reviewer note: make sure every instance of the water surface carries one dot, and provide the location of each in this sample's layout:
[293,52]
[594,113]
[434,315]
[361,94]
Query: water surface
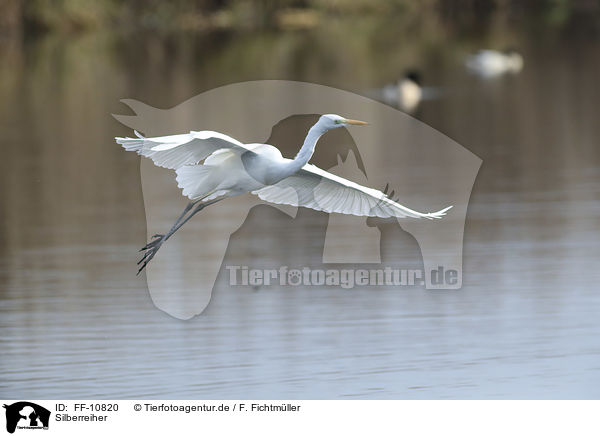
[77,323]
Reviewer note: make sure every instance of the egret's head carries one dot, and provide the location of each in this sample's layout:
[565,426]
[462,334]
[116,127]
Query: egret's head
[333,121]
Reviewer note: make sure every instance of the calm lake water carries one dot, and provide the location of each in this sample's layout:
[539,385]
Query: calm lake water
[77,323]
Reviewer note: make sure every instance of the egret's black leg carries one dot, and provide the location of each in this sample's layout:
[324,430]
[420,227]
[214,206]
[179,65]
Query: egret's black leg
[152,247]
[160,236]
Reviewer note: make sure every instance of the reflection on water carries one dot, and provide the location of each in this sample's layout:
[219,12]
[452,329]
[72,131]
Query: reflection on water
[77,322]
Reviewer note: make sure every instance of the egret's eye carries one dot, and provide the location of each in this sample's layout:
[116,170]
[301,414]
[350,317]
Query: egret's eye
[338,121]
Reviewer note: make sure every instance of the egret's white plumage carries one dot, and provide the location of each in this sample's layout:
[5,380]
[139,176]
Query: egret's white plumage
[320,190]
[211,166]
[174,151]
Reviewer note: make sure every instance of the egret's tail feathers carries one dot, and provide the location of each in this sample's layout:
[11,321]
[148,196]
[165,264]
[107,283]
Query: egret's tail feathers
[195,181]
[439,214]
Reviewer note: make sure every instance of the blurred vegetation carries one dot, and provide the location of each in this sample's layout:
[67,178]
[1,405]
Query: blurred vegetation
[34,17]
[199,44]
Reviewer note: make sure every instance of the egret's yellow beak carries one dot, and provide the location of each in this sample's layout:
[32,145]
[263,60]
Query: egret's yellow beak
[356,122]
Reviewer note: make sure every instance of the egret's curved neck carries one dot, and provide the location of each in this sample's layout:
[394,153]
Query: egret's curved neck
[307,150]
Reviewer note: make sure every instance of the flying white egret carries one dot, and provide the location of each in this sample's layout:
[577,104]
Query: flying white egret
[230,168]
[492,63]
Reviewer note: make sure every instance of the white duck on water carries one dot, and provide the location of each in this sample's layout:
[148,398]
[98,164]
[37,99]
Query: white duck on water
[492,63]
[406,94]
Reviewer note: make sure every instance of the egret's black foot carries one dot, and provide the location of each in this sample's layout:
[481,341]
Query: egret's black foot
[150,250]
[157,239]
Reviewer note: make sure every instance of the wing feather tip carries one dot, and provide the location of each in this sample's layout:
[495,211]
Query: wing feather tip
[440,213]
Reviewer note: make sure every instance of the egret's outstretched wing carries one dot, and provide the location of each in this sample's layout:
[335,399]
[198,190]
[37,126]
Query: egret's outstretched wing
[320,190]
[177,150]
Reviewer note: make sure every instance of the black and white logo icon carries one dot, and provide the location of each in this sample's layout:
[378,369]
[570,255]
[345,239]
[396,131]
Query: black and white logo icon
[26,415]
